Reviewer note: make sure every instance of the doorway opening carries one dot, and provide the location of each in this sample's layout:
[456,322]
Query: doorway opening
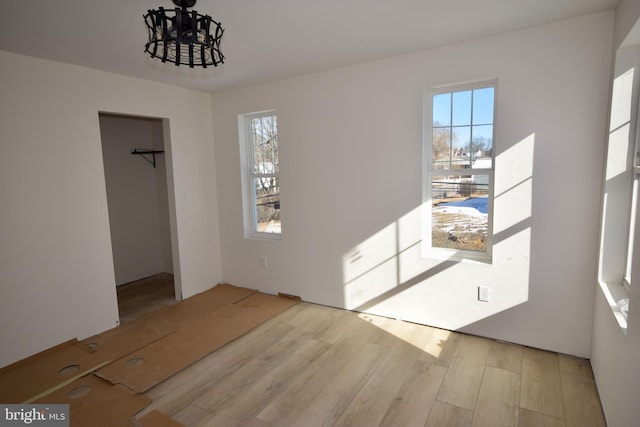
[141,297]
[138,182]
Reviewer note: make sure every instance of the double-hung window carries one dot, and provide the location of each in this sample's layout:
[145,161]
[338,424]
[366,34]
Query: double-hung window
[623,304]
[635,152]
[261,174]
[459,127]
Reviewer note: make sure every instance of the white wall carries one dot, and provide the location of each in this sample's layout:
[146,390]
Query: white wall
[162,197]
[615,356]
[56,268]
[627,14]
[350,145]
[137,197]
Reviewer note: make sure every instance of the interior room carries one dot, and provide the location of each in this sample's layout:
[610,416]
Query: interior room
[116,166]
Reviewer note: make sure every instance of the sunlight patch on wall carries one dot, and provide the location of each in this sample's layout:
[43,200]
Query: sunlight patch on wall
[387,275]
[617,153]
[621,103]
[621,100]
[513,196]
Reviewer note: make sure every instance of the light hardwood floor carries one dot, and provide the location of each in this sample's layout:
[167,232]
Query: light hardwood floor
[320,366]
[144,296]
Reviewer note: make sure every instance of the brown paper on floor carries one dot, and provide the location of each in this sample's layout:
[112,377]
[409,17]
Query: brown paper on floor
[177,316]
[95,402]
[258,307]
[28,379]
[217,297]
[40,373]
[33,377]
[148,366]
[156,418]
[121,340]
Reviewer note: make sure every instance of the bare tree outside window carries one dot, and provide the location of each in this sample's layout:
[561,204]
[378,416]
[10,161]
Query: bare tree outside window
[460,168]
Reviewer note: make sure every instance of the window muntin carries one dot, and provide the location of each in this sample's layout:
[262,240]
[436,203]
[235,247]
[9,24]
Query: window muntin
[459,169]
[462,128]
[262,175]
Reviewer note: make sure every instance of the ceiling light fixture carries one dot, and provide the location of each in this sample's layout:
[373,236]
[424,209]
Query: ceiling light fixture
[183,37]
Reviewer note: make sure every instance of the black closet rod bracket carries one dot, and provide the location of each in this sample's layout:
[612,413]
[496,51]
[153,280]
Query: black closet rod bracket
[152,152]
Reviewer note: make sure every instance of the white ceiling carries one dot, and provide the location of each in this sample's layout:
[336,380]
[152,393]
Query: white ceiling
[266,39]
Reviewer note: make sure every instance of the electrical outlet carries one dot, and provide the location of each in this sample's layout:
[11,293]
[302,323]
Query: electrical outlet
[484,293]
[263,260]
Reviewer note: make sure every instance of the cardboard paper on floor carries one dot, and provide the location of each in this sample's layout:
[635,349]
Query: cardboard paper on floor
[258,307]
[137,355]
[217,297]
[124,339]
[26,380]
[121,340]
[144,368]
[94,402]
[177,316]
[35,375]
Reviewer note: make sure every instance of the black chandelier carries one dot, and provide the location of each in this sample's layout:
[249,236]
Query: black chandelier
[183,37]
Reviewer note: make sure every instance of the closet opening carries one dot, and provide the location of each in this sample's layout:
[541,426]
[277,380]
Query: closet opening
[137,168]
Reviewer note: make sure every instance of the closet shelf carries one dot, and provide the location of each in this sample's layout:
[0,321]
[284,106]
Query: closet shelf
[151,152]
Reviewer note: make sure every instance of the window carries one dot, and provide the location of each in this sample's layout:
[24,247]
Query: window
[635,161]
[619,232]
[261,168]
[458,165]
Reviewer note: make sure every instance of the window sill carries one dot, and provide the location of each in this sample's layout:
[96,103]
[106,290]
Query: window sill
[442,254]
[273,237]
[614,294]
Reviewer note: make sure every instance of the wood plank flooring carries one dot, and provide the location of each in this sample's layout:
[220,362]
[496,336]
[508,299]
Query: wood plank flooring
[144,296]
[319,366]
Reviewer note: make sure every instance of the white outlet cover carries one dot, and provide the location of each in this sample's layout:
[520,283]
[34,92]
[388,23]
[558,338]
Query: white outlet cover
[484,293]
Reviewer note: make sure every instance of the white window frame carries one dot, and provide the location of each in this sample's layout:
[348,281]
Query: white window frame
[631,231]
[248,177]
[428,251]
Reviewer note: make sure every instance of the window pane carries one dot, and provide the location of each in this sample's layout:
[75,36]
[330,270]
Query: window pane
[462,108]
[264,138]
[441,148]
[482,146]
[459,213]
[442,109]
[483,106]
[267,192]
[461,147]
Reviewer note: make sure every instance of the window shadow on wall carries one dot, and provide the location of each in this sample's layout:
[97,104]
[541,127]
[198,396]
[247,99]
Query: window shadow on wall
[386,274]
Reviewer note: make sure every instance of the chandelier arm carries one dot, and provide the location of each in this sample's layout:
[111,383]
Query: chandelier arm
[165,30]
[147,17]
[180,37]
[194,35]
